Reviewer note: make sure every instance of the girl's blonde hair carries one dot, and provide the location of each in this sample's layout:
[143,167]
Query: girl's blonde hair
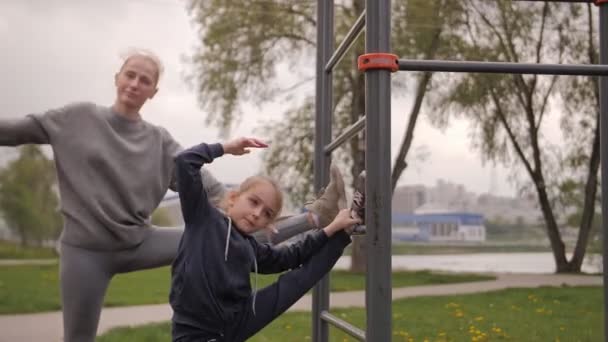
[252,181]
[145,53]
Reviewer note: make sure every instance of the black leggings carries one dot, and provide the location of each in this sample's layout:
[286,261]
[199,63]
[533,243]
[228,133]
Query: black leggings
[275,299]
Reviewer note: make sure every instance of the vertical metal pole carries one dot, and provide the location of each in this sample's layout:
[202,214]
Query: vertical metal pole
[323,109]
[603,35]
[378,166]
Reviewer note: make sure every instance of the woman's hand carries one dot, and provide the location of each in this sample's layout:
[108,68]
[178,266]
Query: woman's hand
[240,146]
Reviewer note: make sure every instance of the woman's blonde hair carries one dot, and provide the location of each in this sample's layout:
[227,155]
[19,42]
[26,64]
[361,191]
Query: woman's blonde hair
[145,53]
[252,181]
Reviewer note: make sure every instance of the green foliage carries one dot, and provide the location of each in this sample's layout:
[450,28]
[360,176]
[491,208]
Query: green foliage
[10,250]
[509,113]
[28,200]
[238,63]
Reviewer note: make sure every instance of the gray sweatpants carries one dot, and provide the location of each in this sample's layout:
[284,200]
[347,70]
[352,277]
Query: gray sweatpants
[85,274]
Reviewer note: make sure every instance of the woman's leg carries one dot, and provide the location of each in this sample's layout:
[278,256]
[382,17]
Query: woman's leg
[84,276]
[275,299]
[286,228]
[319,213]
[158,249]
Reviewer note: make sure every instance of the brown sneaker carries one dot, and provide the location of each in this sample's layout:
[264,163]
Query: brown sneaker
[357,208]
[333,199]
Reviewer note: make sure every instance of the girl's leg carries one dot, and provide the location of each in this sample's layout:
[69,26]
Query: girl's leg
[84,276]
[160,246]
[275,299]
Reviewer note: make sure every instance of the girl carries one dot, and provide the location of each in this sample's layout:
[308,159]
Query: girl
[113,170]
[211,294]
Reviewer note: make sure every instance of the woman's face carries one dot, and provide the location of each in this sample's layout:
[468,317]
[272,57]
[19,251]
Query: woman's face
[136,82]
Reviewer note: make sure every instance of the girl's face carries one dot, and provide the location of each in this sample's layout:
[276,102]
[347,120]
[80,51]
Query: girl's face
[136,82]
[255,208]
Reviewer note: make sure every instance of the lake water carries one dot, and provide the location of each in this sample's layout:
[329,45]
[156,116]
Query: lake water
[482,262]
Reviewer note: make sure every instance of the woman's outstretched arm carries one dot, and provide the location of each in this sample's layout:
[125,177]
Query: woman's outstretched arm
[15,132]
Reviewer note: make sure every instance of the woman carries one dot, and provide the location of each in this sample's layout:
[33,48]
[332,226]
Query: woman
[113,169]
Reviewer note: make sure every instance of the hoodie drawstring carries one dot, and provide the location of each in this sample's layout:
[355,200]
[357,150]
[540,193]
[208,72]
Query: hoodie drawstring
[255,288]
[255,263]
[227,239]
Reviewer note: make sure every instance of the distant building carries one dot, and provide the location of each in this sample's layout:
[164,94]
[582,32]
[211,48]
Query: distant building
[433,227]
[407,198]
[452,197]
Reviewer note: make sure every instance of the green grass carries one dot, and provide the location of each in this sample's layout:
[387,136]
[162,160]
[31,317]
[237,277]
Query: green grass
[31,288]
[543,314]
[9,250]
[428,249]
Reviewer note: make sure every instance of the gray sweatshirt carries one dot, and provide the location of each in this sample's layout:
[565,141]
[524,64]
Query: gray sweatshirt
[112,171]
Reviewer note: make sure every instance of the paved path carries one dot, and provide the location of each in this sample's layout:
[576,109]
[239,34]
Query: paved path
[18,262]
[47,326]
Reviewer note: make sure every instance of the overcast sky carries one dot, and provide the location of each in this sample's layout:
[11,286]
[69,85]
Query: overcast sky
[54,52]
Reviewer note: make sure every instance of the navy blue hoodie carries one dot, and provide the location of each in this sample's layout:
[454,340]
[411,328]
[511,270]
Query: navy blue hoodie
[210,275]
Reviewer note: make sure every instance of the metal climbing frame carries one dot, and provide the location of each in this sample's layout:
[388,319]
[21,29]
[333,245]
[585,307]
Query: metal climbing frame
[378,64]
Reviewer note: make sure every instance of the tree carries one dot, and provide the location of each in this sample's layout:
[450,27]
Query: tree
[237,63]
[28,200]
[509,113]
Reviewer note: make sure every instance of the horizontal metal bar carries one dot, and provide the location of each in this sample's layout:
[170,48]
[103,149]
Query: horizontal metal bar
[343,325]
[503,67]
[348,41]
[347,134]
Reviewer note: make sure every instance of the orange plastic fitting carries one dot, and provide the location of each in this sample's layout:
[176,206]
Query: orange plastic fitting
[379,61]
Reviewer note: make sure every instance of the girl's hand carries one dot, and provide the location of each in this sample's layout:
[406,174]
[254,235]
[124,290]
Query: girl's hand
[240,146]
[340,222]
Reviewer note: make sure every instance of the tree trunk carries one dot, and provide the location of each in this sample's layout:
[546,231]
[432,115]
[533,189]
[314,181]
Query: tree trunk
[594,164]
[423,82]
[557,245]
[400,160]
